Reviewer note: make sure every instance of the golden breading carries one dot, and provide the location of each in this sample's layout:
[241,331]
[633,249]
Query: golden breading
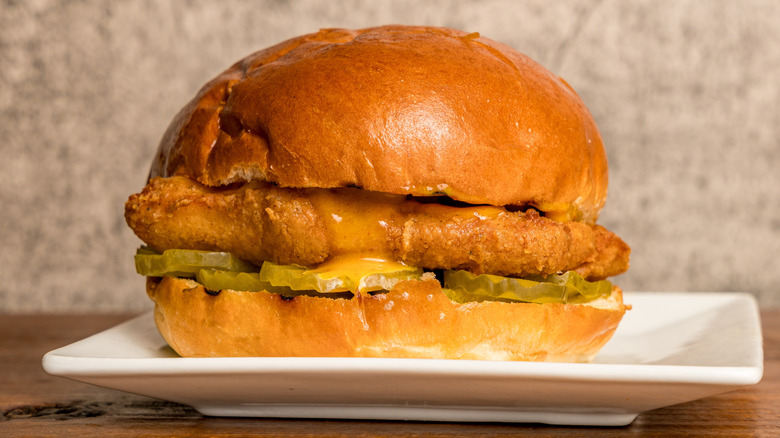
[259,222]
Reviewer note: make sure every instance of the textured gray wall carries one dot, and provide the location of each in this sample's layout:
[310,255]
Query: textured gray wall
[686,94]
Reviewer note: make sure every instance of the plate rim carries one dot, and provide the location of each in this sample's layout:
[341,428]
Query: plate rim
[605,388]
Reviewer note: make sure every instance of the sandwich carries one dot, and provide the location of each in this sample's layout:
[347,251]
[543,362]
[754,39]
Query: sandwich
[397,191]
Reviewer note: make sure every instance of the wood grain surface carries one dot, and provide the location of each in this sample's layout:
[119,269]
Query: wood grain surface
[33,403]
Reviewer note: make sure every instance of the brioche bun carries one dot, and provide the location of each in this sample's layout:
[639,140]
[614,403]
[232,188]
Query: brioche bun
[406,110]
[414,320]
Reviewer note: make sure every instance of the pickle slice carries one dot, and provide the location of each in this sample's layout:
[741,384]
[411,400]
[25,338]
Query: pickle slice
[215,280]
[186,263]
[570,287]
[356,275]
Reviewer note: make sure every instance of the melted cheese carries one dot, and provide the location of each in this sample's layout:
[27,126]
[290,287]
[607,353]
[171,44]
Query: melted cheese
[357,221]
[358,266]
[361,223]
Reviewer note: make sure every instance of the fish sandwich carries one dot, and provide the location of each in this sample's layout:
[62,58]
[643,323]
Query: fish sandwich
[396,191]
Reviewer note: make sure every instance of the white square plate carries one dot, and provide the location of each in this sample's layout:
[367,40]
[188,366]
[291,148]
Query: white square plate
[671,348]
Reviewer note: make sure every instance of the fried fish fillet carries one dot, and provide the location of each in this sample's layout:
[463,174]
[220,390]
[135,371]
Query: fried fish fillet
[262,222]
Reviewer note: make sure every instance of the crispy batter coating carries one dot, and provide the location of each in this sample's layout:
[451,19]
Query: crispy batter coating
[259,222]
[512,244]
[253,222]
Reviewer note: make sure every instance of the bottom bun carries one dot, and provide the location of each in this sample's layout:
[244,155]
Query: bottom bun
[414,320]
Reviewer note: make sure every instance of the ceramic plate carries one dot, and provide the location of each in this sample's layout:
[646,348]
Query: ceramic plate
[671,348]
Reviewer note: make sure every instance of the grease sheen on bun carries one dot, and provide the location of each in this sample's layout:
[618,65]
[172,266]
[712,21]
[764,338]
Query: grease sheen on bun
[408,110]
[414,320]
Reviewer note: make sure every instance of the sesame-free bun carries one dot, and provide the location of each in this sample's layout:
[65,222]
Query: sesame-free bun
[409,110]
[414,320]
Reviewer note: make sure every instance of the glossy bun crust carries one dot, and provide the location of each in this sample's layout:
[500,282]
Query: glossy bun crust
[409,110]
[414,320]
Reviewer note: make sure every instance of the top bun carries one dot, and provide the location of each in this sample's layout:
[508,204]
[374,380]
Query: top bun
[397,109]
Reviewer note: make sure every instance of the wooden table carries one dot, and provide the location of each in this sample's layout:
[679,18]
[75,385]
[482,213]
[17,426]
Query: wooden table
[36,404]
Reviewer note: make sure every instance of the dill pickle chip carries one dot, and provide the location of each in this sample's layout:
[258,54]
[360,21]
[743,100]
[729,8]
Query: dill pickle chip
[570,287]
[214,279]
[353,274]
[186,263]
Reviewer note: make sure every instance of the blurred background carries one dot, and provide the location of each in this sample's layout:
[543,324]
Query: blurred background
[686,95]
